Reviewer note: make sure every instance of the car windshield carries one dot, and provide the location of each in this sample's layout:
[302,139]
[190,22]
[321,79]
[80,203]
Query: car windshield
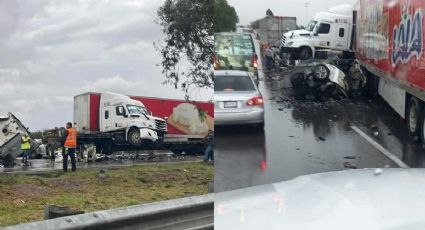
[136,109]
[311,25]
[233,44]
[233,83]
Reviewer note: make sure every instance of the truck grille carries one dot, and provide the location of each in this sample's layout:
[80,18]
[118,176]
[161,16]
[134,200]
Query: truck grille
[282,43]
[161,125]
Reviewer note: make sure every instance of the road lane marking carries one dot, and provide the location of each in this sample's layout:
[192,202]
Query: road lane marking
[381,148]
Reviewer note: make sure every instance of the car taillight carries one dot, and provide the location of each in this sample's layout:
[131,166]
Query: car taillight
[255,101]
[254,60]
[215,62]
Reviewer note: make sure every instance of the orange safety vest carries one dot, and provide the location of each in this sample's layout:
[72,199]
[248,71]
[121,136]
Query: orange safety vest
[71,139]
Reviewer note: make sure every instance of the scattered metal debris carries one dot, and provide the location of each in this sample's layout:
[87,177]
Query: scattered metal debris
[322,81]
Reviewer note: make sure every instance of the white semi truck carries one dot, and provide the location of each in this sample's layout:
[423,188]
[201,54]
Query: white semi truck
[331,30]
[113,121]
[109,119]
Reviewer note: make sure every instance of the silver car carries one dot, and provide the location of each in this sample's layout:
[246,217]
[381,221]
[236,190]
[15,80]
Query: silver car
[237,100]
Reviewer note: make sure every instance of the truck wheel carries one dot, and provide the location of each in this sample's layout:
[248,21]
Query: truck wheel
[372,85]
[305,53]
[413,118]
[134,137]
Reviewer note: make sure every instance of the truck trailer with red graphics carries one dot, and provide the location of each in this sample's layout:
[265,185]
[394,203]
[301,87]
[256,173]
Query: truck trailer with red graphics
[387,39]
[389,44]
[188,122]
[112,121]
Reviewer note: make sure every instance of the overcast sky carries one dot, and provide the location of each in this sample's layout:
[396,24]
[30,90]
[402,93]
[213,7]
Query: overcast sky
[250,10]
[51,50]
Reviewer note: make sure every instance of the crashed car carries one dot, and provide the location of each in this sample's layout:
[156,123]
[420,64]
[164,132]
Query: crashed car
[322,81]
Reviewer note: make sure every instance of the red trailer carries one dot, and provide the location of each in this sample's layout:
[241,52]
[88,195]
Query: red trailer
[181,137]
[389,44]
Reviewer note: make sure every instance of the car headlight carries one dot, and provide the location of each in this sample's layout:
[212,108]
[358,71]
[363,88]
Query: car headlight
[289,43]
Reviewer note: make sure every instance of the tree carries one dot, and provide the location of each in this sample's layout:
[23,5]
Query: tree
[225,16]
[188,26]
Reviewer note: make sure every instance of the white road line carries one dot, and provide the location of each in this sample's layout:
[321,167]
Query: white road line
[383,150]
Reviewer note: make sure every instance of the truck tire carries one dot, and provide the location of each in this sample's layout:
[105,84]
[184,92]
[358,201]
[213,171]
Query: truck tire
[305,53]
[372,85]
[413,118]
[134,137]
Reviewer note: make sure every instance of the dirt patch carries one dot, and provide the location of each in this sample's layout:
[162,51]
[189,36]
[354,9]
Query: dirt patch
[30,191]
[69,184]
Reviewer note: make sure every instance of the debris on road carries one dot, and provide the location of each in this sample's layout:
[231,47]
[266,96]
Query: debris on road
[349,165]
[321,82]
[321,138]
[350,157]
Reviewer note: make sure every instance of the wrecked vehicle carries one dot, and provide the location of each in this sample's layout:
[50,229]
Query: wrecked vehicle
[10,140]
[322,81]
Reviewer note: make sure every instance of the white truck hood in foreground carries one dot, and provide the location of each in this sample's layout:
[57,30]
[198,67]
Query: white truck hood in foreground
[387,199]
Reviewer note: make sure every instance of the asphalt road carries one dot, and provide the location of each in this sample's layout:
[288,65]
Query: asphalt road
[304,137]
[117,160]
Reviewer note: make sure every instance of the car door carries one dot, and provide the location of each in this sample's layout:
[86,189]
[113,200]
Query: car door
[340,39]
[106,119]
[323,35]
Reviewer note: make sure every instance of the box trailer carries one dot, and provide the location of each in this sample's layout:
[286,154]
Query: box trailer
[188,122]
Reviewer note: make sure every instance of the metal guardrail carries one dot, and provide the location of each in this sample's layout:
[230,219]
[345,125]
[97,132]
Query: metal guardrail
[194,213]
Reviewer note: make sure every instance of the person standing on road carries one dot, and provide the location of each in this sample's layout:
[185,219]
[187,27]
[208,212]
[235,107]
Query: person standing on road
[269,58]
[209,150]
[69,147]
[25,147]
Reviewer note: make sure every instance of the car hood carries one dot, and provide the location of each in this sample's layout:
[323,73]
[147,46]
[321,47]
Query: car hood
[387,199]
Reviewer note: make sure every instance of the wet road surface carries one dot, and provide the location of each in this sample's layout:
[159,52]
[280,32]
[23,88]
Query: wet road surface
[117,160]
[304,137]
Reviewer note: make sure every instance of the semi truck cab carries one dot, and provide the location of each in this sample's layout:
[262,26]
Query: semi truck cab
[127,119]
[329,30]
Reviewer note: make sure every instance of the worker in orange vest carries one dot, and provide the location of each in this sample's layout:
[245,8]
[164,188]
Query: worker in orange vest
[69,147]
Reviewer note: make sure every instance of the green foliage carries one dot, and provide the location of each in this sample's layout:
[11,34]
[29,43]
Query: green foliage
[225,16]
[37,135]
[188,26]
